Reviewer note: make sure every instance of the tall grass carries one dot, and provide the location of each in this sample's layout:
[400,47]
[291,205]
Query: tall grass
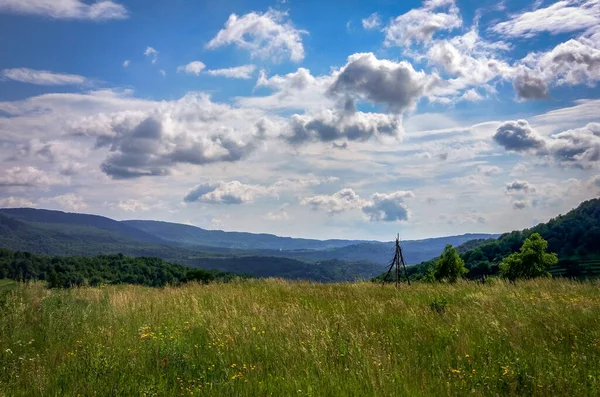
[278,338]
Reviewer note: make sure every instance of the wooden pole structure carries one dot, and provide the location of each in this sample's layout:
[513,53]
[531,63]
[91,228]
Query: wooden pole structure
[398,258]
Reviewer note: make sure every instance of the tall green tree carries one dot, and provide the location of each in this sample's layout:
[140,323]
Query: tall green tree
[532,261]
[450,266]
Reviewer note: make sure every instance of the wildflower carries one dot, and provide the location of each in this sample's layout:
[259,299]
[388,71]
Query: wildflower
[455,371]
[233,365]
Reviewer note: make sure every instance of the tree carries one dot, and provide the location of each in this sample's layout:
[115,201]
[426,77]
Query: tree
[450,266]
[532,261]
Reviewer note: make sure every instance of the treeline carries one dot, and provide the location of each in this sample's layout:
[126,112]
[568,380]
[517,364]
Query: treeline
[68,271]
[574,237]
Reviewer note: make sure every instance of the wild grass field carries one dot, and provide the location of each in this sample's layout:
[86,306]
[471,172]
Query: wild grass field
[278,338]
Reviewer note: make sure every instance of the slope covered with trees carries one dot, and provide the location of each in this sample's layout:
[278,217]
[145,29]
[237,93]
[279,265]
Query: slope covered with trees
[103,269]
[574,237]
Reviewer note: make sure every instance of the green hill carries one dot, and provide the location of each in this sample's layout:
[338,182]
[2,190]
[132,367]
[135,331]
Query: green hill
[52,234]
[574,237]
[102,269]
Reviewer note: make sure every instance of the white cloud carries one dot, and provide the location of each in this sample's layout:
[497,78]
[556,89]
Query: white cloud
[382,207]
[282,185]
[372,22]
[194,68]
[69,201]
[395,84]
[269,35]
[521,204]
[233,192]
[42,77]
[520,187]
[297,90]
[579,147]
[518,136]
[560,17]
[237,72]
[236,192]
[388,207]
[16,202]
[279,215]
[345,199]
[470,60]
[133,205]
[126,63]
[66,9]
[421,24]
[155,137]
[29,177]
[471,96]
[573,62]
[489,170]
[152,53]
[330,125]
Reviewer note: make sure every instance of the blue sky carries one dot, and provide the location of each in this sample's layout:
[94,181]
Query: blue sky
[316,119]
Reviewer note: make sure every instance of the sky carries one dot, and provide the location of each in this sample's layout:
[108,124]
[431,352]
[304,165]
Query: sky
[319,119]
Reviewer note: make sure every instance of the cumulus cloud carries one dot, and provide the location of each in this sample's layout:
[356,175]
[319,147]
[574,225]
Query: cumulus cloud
[470,60]
[420,24]
[530,85]
[69,201]
[237,72]
[560,17]
[132,205]
[30,177]
[395,84]
[521,204]
[270,35]
[388,207]
[330,125]
[71,9]
[151,53]
[382,207]
[518,136]
[579,147]
[16,202]
[194,68]
[279,215]
[522,187]
[192,130]
[297,90]
[42,77]
[343,200]
[573,62]
[69,157]
[372,22]
[489,170]
[233,192]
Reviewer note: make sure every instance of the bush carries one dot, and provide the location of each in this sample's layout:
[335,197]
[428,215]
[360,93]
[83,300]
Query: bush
[438,305]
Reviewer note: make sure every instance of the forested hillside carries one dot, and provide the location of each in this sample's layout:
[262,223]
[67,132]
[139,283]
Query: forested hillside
[72,239]
[574,237]
[103,269]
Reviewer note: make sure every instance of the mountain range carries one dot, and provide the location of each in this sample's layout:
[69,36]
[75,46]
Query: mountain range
[60,233]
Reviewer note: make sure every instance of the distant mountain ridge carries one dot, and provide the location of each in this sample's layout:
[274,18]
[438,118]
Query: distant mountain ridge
[192,235]
[60,233]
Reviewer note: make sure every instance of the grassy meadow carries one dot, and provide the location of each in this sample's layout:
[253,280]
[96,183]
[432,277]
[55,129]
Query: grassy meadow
[278,338]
